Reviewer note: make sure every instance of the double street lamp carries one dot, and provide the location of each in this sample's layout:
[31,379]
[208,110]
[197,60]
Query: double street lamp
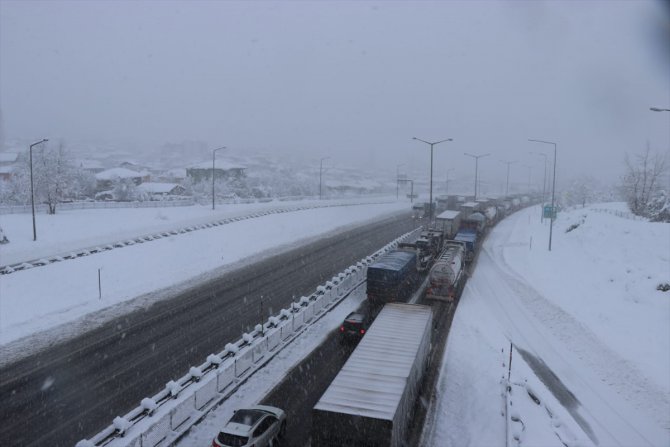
[553,189]
[32,187]
[476,157]
[430,214]
[213,161]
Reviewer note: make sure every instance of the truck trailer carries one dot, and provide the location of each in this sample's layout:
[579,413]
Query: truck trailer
[392,277]
[370,401]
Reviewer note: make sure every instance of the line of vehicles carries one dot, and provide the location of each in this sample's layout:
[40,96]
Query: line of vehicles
[371,400]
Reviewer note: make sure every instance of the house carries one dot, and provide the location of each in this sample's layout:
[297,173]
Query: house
[7,164]
[105,179]
[92,166]
[222,170]
[160,191]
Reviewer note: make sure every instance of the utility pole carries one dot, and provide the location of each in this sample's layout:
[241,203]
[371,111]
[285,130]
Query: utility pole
[32,187]
[213,162]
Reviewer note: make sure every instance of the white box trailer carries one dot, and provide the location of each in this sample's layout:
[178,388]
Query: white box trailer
[449,222]
[370,401]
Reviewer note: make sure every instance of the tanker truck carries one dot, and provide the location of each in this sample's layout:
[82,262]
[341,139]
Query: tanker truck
[446,276]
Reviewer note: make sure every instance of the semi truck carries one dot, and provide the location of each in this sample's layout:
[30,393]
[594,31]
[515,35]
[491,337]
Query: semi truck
[392,277]
[446,276]
[448,221]
[370,402]
[469,238]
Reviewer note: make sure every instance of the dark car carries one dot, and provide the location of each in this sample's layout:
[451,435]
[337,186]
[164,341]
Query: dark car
[257,426]
[354,327]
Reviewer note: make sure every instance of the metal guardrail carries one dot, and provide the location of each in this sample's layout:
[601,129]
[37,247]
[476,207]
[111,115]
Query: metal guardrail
[168,415]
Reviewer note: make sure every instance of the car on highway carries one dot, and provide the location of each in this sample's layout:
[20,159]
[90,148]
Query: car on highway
[354,327]
[257,426]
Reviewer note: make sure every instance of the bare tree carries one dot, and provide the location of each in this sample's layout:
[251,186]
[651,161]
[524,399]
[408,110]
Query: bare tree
[642,178]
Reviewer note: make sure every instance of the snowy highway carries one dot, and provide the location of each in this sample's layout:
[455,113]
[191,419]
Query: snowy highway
[74,389]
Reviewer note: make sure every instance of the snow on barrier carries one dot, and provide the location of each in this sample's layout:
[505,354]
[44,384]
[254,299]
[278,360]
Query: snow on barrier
[162,419]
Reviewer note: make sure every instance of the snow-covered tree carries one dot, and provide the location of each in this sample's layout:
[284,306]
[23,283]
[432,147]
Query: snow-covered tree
[53,173]
[642,179]
[125,190]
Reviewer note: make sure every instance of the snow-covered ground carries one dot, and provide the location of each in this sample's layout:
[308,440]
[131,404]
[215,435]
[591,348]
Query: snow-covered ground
[35,300]
[591,337]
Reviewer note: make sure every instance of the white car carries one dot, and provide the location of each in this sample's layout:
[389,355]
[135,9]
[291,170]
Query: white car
[257,426]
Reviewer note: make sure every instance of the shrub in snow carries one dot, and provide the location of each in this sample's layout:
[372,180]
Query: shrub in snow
[304,301]
[258,328]
[663,287]
[149,405]
[195,373]
[274,321]
[248,338]
[214,359]
[121,424]
[285,313]
[233,349]
[321,289]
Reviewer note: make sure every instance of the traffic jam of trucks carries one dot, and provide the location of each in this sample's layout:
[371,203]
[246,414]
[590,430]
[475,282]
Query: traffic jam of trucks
[370,402]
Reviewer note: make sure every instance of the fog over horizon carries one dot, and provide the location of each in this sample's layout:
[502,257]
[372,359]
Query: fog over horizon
[353,81]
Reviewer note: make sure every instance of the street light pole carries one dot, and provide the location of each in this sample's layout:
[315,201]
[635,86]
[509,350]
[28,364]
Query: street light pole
[476,157]
[508,163]
[544,183]
[213,160]
[530,170]
[32,187]
[430,214]
[321,173]
[553,189]
[397,181]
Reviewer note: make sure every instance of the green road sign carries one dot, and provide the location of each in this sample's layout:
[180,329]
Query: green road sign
[548,213]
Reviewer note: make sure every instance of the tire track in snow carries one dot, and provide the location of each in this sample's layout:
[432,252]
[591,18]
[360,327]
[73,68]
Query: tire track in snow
[514,301]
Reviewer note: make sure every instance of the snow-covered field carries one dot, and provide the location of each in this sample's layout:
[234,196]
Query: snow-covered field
[591,337]
[42,298]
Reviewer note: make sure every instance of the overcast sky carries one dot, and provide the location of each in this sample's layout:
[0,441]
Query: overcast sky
[351,80]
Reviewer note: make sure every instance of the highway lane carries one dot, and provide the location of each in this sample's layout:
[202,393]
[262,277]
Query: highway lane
[76,388]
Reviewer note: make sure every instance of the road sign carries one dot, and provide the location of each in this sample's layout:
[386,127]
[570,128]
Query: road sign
[548,213]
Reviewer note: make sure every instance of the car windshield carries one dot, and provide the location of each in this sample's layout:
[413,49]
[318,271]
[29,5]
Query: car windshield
[229,440]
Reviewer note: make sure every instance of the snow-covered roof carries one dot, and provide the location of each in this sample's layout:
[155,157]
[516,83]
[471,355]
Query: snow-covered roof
[219,164]
[6,169]
[448,214]
[8,157]
[470,204]
[372,382]
[113,173]
[155,187]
